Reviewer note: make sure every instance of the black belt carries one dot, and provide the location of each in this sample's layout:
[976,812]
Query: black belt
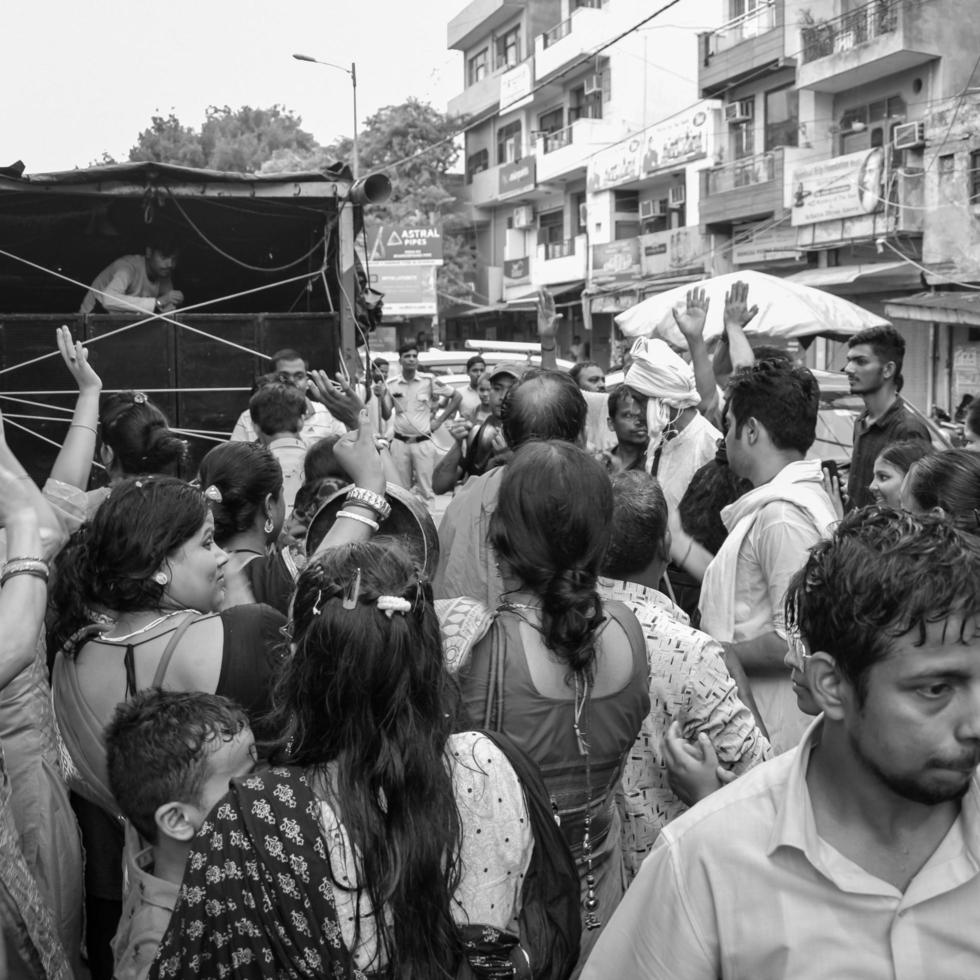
[402,438]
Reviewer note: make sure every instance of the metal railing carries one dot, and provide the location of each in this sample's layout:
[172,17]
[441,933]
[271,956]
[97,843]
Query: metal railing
[751,24]
[564,28]
[558,139]
[849,30]
[742,173]
[559,250]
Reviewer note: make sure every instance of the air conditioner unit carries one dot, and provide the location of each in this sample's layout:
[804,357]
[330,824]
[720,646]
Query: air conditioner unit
[583,214]
[523,217]
[677,195]
[651,209]
[593,84]
[741,111]
[909,135]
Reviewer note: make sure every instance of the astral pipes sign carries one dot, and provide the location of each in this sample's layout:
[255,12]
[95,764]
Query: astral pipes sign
[413,244]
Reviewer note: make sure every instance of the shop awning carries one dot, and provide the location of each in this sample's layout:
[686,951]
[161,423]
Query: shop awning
[962,308]
[860,278]
[528,300]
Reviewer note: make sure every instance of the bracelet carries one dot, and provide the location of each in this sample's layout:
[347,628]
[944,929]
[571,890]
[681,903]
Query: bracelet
[15,564]
[547,349]
[82,425]
[371,500]
[374,525]
[34,572]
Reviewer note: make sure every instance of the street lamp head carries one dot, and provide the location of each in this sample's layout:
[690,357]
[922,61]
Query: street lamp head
[304,57]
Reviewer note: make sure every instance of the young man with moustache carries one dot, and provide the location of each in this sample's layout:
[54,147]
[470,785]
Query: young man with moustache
[857,854]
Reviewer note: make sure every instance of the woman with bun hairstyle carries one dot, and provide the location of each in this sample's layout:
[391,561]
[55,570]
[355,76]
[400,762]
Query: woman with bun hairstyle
[561,672]
[947,483]
[243,484]
[138,595]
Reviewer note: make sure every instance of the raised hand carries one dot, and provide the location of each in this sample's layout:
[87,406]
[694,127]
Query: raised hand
[737,309]
[691,320]
[338,396]
[75,356]
[358,455]
[548,316]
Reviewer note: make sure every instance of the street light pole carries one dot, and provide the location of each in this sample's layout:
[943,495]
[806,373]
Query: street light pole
[352,72]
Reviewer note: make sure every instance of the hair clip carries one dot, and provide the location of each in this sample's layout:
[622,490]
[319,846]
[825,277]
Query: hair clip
[139,398]
[316,605]
[213,493]
[139,484]
[353,592]
[390,604]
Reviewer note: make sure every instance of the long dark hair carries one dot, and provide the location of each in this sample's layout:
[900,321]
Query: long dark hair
[245,474]
[367,703]
[109,562]
[949,481]
[552,526]
[139,435]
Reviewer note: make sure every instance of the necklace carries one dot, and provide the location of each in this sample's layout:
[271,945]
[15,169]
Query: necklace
[590,903]
[149,626]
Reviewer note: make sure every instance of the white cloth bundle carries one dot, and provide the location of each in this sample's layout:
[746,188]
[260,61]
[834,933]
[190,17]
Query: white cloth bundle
[665,379]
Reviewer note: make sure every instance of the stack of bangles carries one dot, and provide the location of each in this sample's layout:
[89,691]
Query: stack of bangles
[370,501]
[24,566]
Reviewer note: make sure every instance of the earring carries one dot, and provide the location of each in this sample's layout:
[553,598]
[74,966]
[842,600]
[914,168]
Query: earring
[160,578]
[268,526]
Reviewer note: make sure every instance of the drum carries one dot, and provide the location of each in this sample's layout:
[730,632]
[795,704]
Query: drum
[410,522]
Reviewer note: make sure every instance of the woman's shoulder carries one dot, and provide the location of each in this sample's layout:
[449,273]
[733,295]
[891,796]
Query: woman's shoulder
[474,757]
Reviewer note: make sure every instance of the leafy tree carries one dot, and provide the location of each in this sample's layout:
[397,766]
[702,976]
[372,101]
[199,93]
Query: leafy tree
[239,140]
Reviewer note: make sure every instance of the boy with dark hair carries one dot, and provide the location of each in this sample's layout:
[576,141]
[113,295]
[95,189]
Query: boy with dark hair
[628,421]
[170,756]
[771,420]
[277,413]
[874,369]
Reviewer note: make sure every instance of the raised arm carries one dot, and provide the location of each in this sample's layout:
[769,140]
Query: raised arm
[549,320]
[74,461]
[23,583]
[737,314]
[690,322]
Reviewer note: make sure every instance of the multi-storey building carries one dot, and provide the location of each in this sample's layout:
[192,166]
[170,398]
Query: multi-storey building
[826,103]
[542,95]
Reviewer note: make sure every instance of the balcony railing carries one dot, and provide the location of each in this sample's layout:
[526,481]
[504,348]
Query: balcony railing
[558,139]
[559,250]
[742,173]
[557,33]
[750,24]
[849,30]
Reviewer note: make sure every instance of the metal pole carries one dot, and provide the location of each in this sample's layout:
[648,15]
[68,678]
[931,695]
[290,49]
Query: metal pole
[353,83]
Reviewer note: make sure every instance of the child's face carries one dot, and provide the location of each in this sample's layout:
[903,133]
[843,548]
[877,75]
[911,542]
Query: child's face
[295,532]
[630,423]
[229,760]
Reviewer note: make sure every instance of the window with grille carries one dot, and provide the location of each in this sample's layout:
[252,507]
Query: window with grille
[476,163]
[509,148]
[479,66]
[508,48]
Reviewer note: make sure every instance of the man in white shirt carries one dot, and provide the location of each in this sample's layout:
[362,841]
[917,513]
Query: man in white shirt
[857,854]
[413,396]
[317,422]
[771,421]
[137,283]
[476,367]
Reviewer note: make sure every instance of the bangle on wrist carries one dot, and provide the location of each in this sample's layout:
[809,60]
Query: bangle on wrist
[548,349]
[33,572]
[33,561]
[82,425]
[372,501]
[360,518]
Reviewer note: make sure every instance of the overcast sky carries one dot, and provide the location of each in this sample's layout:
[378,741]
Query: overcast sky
[79,77]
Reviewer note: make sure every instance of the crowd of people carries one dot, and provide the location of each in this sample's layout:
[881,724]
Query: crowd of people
[663,696]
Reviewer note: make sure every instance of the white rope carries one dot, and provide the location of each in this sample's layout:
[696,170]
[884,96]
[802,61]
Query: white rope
[112,391]
[155,316]
[39,418]
[27,401]
[198,435]
[7,419]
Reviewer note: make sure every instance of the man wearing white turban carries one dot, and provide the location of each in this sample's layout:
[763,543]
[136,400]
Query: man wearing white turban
[681,439]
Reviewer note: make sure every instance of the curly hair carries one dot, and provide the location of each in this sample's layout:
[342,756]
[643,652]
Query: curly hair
[245,473]
[368,694]
[157,749]
[109,562]
[139,435]
[883,575]
[552,525]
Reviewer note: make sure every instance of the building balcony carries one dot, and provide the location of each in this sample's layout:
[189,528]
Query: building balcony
[560,261]
[479,18]
[574,37]
[565,153]
[485,188]
[477,98]
[740,48]
[744,189]
[878,39]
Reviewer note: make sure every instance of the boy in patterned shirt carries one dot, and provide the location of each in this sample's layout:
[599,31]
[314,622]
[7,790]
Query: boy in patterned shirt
[171,756]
